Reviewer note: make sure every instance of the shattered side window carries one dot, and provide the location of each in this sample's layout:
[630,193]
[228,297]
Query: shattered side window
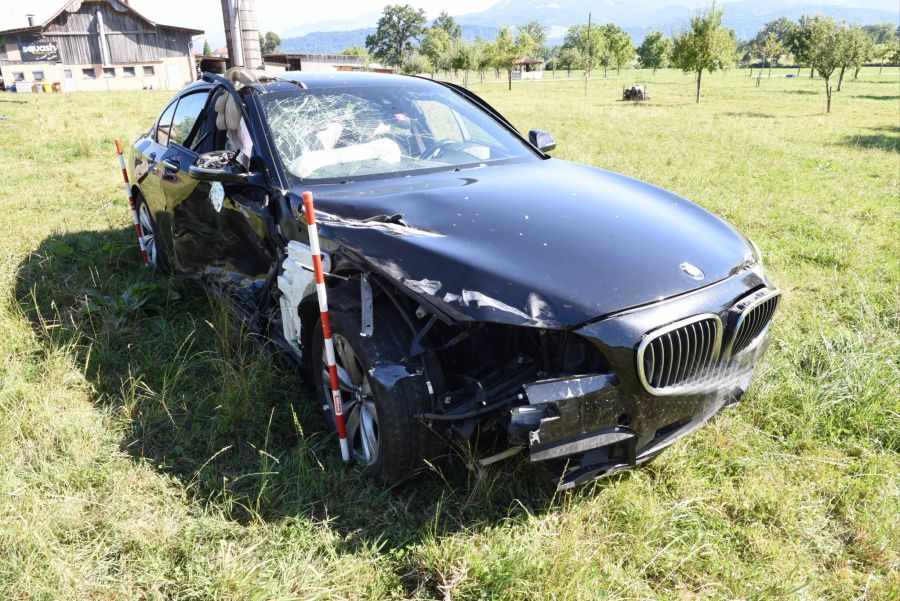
[347,133]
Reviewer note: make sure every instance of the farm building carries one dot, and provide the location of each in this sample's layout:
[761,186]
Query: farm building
[97,45]
[283,61]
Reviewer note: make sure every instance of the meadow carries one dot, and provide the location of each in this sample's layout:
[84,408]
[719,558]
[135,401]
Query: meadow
[150,450]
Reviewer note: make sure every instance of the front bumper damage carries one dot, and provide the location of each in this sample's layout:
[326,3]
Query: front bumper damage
[591,426]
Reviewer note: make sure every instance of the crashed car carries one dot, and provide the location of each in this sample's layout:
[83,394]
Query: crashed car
[480,290]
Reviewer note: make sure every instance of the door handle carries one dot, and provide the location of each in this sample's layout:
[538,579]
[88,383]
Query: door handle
[170,164]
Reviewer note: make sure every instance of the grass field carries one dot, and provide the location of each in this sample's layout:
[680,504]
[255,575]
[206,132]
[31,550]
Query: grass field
[149,450]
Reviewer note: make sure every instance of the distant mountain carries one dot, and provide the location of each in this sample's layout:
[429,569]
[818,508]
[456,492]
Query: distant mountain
[746,17]
[334,42]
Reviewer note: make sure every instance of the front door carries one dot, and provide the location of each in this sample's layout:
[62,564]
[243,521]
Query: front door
[219,230]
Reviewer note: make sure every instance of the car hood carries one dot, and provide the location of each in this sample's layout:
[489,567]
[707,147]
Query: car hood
[543,243]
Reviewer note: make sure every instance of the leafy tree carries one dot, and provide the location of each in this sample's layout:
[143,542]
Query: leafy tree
[619,49]
[447,23]
[505,52]
[415,62]
[800,44]
[437,46]
[538,35]
[570,58]
[881,33]
[770,50]
[782,28]
[856,47]
[483,52]
[654,51]
[590,53]
[395,33]
[824,51]
[269,43]
[463,58]
[355,51]
[207,51]
[706,46]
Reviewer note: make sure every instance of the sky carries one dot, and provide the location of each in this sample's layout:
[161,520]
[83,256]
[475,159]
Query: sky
[290,17]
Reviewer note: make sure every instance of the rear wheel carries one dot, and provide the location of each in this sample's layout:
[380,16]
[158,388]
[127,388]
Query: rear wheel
[383,433]
[155,255]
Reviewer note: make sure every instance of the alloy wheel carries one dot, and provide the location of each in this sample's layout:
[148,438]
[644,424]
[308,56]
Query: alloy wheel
[360,415]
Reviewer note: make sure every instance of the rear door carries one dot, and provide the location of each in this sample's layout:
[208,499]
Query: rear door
[218,229]
[150,148]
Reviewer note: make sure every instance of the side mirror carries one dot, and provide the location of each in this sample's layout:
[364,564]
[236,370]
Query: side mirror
[218,166]
[542,139]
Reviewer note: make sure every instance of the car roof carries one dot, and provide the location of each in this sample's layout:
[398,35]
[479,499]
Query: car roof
[339,79]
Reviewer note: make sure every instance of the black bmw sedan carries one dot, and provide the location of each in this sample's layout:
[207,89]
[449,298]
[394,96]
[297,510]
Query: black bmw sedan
[479,289]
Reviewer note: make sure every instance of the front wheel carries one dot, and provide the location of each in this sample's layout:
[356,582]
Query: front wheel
[383,433]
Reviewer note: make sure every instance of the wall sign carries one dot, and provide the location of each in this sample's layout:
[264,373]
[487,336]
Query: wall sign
[38,49]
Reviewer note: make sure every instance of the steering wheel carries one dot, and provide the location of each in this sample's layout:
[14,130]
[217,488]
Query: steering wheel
[435,149]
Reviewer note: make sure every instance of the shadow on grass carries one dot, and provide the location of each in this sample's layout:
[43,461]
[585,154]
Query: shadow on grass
[877,96]
[885,138]
[203,402]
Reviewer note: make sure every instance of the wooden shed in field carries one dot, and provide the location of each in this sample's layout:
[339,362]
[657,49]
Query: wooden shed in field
[98,45]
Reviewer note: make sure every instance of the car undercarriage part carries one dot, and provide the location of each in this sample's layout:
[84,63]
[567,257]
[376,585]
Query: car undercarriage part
[316,254]
[132,204]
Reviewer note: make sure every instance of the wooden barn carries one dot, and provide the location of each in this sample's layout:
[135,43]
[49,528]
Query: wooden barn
[97,45]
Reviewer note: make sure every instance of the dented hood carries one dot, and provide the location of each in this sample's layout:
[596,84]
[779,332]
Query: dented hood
[542,243]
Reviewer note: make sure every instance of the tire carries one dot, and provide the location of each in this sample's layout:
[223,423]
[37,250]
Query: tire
[156,255]
[402,443]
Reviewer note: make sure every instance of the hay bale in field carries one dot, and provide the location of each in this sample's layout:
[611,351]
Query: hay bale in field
[635,93]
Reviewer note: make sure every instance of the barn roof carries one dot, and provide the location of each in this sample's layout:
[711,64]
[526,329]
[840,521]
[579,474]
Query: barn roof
[122,7]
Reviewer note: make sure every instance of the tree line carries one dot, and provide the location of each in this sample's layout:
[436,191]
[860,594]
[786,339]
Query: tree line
[404,39]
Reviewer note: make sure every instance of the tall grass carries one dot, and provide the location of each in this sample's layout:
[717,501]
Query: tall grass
[149,449]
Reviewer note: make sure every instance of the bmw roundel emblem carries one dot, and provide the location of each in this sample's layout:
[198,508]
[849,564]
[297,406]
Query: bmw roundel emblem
[692,271]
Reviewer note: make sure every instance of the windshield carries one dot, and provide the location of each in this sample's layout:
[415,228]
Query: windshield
[347,133]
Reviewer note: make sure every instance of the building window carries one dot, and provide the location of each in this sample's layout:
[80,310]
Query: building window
[109,71]
[18,76]
[67,73]
[127,71]
[38,75]
[149,70]
[89,73]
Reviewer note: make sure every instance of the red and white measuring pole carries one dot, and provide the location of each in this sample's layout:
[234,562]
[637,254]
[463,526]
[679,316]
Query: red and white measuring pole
[134,211]
[316,253]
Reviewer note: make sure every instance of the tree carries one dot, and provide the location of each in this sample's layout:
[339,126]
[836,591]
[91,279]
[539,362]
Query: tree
[770,50]
[881,33]
[706,46]
[800,45]
[591,53]
[484,53]
[395,33]
[824,51]
[269,43]
[570,58]
[505,52]
[619,49]
[207,51]
[437,46]
[654,51]
[414,62]
[447,23]
[856,47]
[538,35]
[463,58]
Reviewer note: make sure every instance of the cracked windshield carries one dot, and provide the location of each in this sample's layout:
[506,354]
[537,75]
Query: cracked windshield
[343,134]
